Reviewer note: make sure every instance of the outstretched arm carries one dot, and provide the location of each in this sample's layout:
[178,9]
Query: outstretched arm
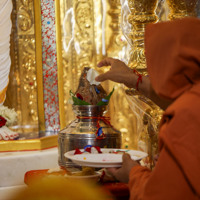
[119,72]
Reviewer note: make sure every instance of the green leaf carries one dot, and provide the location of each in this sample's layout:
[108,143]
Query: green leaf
[78,101]
[101,103]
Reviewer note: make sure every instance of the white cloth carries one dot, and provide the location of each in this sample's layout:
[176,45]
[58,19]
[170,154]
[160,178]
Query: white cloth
[5,62]
[5,30]
[91,75]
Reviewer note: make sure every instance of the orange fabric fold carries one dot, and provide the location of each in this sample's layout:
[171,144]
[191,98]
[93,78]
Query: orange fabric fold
[173,62]
[173,56]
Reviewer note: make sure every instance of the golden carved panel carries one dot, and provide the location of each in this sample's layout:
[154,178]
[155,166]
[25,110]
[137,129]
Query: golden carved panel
[79,44]
[22,90]
[90,31]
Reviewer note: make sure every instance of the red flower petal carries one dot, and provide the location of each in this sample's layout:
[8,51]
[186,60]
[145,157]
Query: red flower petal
[2,121]
[98,149]
[79,96]
[88,149]
[77,151]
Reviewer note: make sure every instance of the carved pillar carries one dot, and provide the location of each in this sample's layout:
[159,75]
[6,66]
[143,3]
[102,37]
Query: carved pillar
[142,13]
[117,40]
[22,88]
[182,8]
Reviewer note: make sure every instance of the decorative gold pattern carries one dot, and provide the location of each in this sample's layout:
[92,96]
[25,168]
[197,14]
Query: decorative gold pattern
[117,40]
[83,34]
[84,30]
[23,93]
[86,48]
[38,52]
[30,144]
[79,33]
[60,66]
[182,8]
[22,90]
[142,13]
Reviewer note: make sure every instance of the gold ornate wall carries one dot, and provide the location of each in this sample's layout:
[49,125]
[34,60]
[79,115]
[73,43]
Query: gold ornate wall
[22,90]
[91,31]
[86,32]
[78,45]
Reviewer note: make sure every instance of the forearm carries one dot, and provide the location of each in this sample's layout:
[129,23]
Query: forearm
[121,73]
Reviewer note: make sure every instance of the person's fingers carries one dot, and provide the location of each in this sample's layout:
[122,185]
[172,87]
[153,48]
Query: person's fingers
[128,161]
[102,77]
[112,171]
[106,62]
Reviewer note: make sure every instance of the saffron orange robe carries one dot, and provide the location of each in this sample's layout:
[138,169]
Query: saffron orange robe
[173,62]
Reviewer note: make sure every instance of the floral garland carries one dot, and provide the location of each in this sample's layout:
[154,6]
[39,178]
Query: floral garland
[7,116]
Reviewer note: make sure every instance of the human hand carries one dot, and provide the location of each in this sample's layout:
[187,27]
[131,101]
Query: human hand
[119,72]
[122,174]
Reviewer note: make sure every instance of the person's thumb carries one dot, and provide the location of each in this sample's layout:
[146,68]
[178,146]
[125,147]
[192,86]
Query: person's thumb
[126,157]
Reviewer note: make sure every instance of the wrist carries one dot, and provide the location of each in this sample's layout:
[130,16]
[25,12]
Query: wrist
[139,79]
[130,79]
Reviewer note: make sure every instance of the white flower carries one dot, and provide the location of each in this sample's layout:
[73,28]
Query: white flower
[9,114]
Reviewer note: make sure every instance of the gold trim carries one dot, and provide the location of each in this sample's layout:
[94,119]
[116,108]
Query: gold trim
[39,72]
[59,64]
[28,145]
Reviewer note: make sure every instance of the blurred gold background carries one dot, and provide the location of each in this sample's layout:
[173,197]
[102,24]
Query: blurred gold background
[86,32]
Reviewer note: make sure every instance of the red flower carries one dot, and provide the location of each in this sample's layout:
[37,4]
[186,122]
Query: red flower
[79,96]
[2,121]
